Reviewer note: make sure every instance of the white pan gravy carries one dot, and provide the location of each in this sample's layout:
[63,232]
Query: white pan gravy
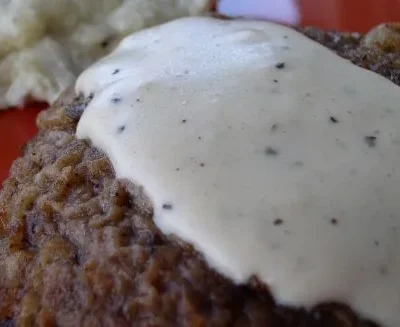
[268,152]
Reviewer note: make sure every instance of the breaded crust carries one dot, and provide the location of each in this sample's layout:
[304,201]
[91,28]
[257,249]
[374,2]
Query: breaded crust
[79,248]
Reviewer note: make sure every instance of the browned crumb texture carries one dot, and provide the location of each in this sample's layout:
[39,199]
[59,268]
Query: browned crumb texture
[79,248]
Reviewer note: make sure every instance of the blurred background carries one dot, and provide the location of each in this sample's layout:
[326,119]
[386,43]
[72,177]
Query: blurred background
[17,126]
[349,15]
[341,15]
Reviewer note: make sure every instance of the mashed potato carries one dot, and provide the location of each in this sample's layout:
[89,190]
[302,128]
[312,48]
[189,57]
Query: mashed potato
[45,44]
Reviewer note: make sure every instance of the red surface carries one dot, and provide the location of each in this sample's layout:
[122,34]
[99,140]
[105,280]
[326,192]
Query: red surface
[349,15]
[18,126]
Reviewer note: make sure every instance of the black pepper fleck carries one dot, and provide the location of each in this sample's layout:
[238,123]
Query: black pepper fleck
[333,119]
[376,243]
[334,221]
[177,169]
[116,100]
[137,100]
[167,206]
[285,37]
[275,81]
[116,71]
[104,44]
[280,65]
[370,141]
[298,164]
[274,127]
[202,164]
[353,171]
[269,151]
[383,271]
[121,129]
[183,121]
[199,138]
[278,222]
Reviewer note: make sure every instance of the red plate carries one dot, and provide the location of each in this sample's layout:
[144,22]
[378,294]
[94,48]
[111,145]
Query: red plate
[17,126]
